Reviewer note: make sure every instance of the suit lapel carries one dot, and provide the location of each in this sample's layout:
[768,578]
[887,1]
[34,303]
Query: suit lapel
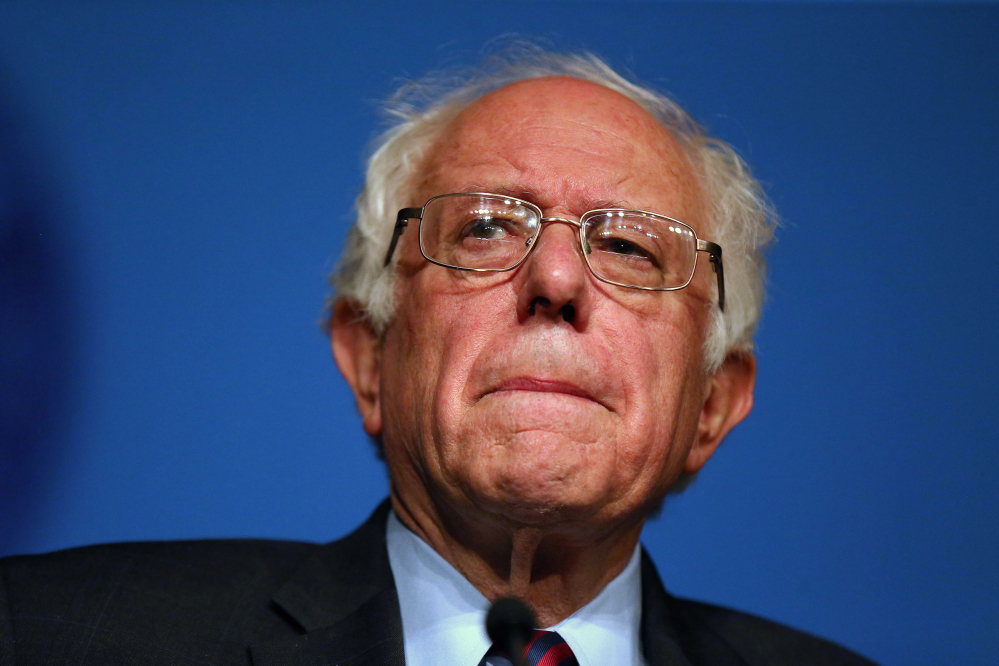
[672,635]
[371,635]
[660,642]
[344,600]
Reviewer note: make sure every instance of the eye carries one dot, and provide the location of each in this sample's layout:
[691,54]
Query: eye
[486,228]
[621,246]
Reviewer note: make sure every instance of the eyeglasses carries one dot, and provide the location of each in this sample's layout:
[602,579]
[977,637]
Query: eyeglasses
[491,233]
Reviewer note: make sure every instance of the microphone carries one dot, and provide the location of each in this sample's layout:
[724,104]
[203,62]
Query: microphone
[510,625]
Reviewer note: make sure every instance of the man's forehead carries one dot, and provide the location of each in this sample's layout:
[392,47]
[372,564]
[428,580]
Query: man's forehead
[538,103]
[605,143]
[563,92]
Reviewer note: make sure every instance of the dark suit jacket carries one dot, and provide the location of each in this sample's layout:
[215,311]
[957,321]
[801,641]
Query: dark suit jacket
[271,602]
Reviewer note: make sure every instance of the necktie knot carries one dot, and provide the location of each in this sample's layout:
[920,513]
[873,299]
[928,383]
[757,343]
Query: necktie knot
[546,648]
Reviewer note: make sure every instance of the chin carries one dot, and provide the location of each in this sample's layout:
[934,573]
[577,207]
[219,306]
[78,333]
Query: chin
[531,513]
[535,478]
[538,501]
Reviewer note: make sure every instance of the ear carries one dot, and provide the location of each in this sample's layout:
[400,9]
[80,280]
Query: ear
[357,352]
[728,400]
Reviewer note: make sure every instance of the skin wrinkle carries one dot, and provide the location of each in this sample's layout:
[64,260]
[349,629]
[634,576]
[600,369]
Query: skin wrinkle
[537,198]
[540,492]
[547,138]
[563,195]
[629,298]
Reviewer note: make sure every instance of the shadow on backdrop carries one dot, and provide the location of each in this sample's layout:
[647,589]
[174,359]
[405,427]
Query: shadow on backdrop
[38,332]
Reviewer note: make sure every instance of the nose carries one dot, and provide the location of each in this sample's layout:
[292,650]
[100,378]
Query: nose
[554,277]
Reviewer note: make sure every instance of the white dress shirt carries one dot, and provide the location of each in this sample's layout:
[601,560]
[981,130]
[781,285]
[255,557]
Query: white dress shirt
[443,615]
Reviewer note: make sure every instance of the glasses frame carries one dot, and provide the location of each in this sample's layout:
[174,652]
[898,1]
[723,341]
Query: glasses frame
[713,249]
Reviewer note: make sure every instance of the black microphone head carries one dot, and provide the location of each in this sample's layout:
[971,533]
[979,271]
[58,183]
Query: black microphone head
[510,617]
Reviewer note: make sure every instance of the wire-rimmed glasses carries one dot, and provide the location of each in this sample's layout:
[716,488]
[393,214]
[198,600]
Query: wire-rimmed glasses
[482,232]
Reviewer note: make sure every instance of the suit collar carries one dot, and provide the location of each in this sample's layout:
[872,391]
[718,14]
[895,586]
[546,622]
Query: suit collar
[344,600]
[673,634]
[659,638]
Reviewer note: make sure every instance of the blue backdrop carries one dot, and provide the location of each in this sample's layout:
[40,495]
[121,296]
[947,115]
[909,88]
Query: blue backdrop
[178,177]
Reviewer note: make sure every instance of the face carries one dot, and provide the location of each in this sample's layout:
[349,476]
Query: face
[542,395]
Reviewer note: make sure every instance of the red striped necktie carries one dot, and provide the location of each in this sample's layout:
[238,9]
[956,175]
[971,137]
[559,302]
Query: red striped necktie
[546,648]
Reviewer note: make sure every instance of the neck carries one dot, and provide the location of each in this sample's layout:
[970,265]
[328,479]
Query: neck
[556,569]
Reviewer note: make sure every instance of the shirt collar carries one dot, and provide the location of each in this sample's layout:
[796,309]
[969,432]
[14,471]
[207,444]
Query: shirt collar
[443,615]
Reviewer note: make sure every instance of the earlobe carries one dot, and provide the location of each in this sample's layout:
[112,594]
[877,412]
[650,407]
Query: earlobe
[357,352]
[728,401]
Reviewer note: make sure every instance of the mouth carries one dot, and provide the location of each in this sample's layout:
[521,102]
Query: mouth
[537,385]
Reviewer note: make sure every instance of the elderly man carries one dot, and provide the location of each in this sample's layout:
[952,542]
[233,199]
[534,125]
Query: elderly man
[548,341]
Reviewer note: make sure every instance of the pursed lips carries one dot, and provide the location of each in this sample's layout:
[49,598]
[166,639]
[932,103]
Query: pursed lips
[535,385]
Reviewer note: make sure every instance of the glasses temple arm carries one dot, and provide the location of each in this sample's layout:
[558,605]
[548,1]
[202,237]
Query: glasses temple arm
[715,252]
[401,222]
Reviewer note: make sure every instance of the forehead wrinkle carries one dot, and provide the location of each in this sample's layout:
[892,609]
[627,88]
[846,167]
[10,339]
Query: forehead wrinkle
[546,190]
[626,135]
[671,161]
[570,193]
[517,142]
[548,132]
[442,160]
[592,145]
[672,164]
[521,187]
[576,203]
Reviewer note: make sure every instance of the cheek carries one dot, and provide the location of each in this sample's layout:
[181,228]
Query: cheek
[441,327]
[411,366]
[662,360]
[467,331]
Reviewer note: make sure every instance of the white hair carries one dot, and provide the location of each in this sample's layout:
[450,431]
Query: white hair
[741,218]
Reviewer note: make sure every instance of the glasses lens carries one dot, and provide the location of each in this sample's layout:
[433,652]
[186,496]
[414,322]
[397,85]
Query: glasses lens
[477,231]
[639,249]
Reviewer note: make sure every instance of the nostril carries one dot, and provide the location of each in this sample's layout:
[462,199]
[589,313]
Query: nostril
[538,300]
[568,312]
